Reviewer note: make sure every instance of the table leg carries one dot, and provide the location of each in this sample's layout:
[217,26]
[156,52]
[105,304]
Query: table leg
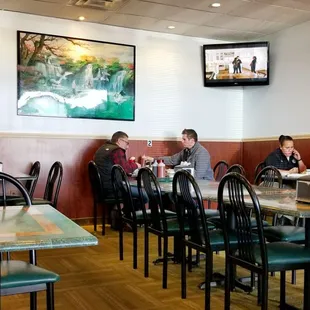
[307,271]
[33,295]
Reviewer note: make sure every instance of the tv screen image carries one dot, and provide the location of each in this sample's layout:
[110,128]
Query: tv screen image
[236,64]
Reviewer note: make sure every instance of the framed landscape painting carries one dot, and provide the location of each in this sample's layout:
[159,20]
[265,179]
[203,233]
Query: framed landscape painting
[75,78]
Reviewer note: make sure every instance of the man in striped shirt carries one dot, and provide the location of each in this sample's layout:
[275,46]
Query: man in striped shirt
[193,153]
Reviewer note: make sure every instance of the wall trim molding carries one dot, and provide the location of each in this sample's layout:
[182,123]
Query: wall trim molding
[295,137]
[4,134]
[99,137]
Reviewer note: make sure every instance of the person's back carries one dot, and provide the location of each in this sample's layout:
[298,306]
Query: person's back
[111,153]
[104,161]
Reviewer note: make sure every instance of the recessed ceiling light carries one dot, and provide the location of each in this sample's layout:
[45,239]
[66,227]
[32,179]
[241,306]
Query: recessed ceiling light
[81,18]
[216,5]
[171,27]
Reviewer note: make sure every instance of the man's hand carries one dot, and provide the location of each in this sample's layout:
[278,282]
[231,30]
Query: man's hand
[148,158]
[139,165]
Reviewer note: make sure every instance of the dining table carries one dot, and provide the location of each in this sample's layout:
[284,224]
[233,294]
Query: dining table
[40,227]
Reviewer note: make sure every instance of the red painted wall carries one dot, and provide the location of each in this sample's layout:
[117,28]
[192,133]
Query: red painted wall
[75,200]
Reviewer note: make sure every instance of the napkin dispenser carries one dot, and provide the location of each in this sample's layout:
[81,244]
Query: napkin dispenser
[303,189]
[189,169]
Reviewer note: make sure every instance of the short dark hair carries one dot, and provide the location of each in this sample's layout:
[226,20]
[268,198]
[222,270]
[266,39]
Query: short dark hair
[118,135]
[191,134]
[283,138]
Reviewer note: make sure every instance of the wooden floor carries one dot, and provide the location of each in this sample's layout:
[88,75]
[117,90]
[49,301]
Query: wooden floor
[94,278]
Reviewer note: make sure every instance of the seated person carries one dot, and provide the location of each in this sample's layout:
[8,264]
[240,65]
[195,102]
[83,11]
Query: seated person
[194,153]
[285,158]
[111,153]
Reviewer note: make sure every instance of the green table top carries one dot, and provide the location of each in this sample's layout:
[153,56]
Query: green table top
[39,227]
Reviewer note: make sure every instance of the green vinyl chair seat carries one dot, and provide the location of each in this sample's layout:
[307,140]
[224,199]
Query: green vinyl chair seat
[211,213]
[217,239]
[18,273]
[285,233]
[284,254]
[40,201]
[35,201]
[216,220]
[139,214]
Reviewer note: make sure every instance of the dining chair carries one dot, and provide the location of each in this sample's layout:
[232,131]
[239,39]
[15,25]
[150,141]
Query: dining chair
[258,168]
[236,168]
[98,195]
[271,177]
[220,169]
[238,202]
[18,277]
[161,222]
[52,186]
[194,230]
[30,185]
[127,209]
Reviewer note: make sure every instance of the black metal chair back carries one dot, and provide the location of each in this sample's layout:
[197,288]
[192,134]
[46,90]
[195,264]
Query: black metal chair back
[220,169]
[95,181]
[122,192]
[236,168]
[269,177]
[54,178]
[189,206]
[236,212]
[8,179]
[148,181]
[258,168]
[30,185]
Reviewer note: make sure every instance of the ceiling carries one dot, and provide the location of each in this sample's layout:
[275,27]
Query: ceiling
[235,20]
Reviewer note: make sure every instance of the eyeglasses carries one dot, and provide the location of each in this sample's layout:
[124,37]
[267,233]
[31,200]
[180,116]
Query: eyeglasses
[127,143]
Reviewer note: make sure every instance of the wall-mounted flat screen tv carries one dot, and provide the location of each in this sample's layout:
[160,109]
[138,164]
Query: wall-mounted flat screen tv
[236,64]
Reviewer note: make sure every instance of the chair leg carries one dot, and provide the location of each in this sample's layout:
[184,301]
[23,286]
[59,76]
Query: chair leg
[103,219]
[33,301]
[190,260]
[50,296]
[146,251]
[282,290]
[183,270]
[264,305]
[208,277]
[259,289]
[165,262]
[135,246]
[159,246]
[121,240]
[228,275]
[95,216]
[197,258]
[293,281]
[252,280]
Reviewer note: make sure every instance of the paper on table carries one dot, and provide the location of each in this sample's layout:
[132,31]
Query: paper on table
[294,175]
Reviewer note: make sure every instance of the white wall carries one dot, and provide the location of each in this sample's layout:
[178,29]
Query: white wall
[283,106]
[169,88]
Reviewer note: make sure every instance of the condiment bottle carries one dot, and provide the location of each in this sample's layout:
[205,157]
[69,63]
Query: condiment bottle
[154,167]
[161,169]
[143,161]
[1,166]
